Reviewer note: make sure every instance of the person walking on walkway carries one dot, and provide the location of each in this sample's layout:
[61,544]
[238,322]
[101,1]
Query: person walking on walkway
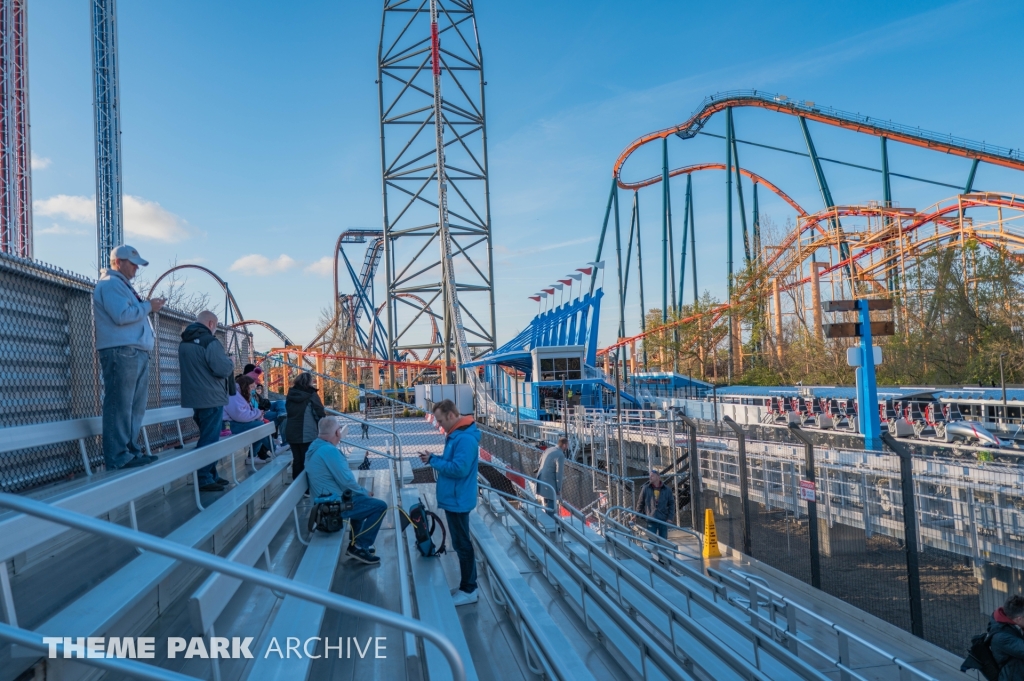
[457,488]
[1006,632]
[304,409]
[329,475]
[124,339]
[366,430]
[550,473]
[656,501]
[206,379]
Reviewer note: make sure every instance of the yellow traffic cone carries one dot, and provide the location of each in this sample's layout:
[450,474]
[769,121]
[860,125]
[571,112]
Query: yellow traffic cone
[710,536]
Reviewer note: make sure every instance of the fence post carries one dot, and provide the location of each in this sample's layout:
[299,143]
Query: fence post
[696,495]
[675,463]
[909,533]
[744,482]
[812,506]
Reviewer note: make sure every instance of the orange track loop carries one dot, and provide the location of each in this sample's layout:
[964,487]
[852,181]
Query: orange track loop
[698,119]
[356,360]
[716,166]
[814,221]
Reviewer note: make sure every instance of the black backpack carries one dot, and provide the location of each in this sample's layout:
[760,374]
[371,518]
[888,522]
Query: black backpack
[980,657]
[423,524]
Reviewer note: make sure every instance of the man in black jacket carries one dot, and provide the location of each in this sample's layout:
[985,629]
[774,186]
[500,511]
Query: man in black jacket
[656,501]
[205,372]
[1007,639]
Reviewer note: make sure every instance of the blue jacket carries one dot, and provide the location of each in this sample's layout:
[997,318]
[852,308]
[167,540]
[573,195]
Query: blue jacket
[457,467]
[121,316]
[328,471]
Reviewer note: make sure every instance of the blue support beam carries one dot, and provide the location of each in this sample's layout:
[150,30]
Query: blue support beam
[107,110]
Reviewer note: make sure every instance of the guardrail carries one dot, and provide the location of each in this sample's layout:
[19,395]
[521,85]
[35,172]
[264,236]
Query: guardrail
[202,559]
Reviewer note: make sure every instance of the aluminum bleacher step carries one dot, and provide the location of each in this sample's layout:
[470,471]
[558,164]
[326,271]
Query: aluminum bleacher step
[435,606]
[549,643]
[103,606]
[298,617]
[210,599]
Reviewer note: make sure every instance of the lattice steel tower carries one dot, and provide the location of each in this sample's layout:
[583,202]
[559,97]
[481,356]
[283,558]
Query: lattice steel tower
[15,151]
[434,179]
[107,106]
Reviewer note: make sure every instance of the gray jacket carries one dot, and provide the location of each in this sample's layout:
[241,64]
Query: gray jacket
[121,316]
[661,508]
[551,471]
[205,368]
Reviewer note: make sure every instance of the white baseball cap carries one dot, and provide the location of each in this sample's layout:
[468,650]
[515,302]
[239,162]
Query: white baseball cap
[129,253]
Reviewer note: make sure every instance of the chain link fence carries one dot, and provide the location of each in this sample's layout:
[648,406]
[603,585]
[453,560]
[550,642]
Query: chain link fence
[966,549]
[49,369]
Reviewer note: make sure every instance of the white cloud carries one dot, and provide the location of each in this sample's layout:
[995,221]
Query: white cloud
[58,230]
[255,264]
[142,218]
[150,220]
[323,267]
[74,208]
[40,162]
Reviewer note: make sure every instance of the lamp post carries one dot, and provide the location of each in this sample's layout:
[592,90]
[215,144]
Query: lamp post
[1002,382]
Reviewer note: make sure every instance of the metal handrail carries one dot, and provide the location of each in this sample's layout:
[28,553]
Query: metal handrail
[502,466]
[201,559]
[667,664]
[687,530]
[139,670]
[755,582]
[676,615]
[394,434]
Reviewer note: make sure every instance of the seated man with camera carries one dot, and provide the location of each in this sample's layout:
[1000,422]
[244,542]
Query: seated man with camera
[332,485]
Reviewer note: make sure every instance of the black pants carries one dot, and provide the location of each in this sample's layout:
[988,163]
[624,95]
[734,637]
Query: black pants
[458,529]
[298,457]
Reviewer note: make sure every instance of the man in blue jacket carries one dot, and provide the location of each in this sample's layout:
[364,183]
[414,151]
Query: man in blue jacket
[456,489]
[124,339]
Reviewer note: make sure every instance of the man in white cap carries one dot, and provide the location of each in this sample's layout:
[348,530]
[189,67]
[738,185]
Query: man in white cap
[124,339]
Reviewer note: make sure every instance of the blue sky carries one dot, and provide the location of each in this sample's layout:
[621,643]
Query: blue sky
[250,135]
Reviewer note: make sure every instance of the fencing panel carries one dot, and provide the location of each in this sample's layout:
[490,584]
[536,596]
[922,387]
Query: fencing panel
[49,370]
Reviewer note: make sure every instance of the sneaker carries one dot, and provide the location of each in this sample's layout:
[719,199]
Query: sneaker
[362,555]
[136,462]
[211,487]
[463,598]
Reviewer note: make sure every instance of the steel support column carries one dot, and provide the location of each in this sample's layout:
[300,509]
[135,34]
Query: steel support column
[728,230]
[15,149]
[107,109]
[826,197]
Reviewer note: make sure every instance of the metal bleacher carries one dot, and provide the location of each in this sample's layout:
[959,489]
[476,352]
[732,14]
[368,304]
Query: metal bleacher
[568,596]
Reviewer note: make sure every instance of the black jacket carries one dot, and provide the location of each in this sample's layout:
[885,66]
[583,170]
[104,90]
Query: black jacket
[295,407]
[663,508]
[205,369]
[1008,648]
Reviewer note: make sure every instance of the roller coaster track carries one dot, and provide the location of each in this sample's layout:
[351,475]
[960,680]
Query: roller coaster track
[957,146]
[223,285]
[890,234]
[272,329]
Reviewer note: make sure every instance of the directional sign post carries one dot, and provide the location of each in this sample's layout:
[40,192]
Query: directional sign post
[867,387]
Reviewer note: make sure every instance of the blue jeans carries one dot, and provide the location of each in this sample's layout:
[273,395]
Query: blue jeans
[239,427]
[277,414]
[210,421]
[458,529]
[660,529]
[125,393]
[367,515]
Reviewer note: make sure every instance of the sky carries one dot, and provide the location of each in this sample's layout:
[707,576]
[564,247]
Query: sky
[250,134]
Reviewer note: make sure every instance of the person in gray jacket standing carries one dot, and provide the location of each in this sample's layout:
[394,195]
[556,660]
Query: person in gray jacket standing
[124,339]
[206,378]
[551,471]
